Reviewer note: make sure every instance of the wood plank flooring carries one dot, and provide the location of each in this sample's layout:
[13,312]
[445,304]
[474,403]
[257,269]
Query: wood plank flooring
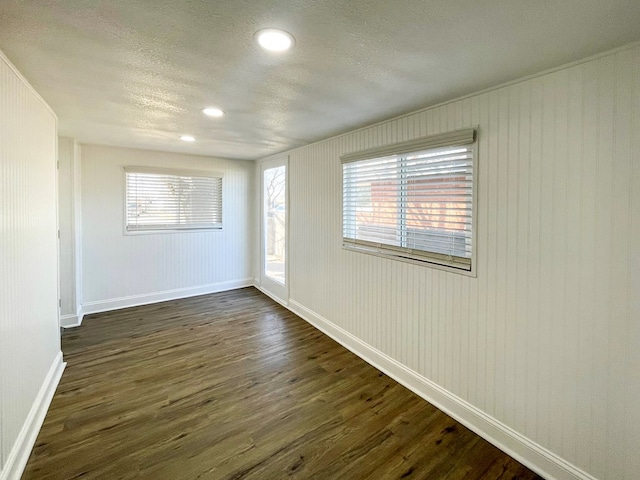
[234,386]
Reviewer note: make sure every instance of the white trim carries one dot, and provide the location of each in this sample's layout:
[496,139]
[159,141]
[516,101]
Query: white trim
[155,297]
[171,231]
[77,224]
[72,320]
[524,450]
[19,455]
[270,286]
[425,262]
[272,296]
[69,321]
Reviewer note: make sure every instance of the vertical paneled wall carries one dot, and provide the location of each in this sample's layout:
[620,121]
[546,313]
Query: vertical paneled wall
[67,221]
[29,333]
[120,270]
[546,339]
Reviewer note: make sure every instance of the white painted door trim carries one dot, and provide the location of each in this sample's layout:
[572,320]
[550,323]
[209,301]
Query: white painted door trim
[270,287]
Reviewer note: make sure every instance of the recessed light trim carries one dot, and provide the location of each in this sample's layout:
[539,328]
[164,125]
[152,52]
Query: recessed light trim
[187,138]
[212,112]
[274,40]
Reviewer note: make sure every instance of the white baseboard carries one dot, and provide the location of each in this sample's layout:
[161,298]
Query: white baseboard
[73,320]
[148,298]
[69,321]
[527,452]
[19,455]
[271,295]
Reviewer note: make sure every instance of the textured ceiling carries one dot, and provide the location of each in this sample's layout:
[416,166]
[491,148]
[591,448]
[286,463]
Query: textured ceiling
[137,72]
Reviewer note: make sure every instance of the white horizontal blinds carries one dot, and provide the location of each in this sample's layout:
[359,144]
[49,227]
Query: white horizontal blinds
[161,200]
[438,201]
[417,204]
[371,201]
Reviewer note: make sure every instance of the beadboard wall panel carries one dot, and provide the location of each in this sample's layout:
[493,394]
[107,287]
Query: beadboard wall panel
[121,270]
[29,333]
[546,339]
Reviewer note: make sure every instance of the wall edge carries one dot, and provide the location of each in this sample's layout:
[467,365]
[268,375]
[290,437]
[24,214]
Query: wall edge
[19,455]
[22,78]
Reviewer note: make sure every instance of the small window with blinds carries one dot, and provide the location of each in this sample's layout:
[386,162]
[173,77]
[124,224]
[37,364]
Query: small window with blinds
[158,199]
[413,200]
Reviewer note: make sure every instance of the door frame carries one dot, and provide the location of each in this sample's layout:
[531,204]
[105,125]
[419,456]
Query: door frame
[274,289]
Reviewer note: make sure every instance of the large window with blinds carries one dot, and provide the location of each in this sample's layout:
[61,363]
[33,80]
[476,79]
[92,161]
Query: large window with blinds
[413,200]
[158,199]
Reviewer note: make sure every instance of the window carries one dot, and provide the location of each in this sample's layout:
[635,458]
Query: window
[158,199]
[412,200]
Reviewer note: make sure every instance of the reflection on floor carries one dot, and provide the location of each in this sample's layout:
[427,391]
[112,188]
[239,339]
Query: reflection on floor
[234,386]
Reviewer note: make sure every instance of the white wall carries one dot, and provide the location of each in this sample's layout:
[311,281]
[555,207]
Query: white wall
[66,225]
[30,358]
[122,270]
[69,204]
[540,352]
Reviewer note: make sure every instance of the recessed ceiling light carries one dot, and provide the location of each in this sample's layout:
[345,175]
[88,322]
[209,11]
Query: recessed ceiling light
[274,40]
[212,112]
[187,138]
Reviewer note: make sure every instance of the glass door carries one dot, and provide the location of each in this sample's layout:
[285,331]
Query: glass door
[274,229]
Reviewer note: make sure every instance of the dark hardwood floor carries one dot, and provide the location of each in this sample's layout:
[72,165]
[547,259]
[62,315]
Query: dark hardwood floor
[233,386]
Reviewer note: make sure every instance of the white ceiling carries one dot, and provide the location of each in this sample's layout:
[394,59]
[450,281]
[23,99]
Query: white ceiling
[137,72]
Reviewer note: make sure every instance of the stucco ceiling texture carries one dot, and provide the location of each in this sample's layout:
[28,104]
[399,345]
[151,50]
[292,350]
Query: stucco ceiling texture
[137,73]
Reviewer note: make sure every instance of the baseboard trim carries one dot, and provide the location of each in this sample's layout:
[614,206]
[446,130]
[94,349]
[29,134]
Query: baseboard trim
[19,455]
[69,321]
[156,297]
[537,458]
[73,320]
[281,301]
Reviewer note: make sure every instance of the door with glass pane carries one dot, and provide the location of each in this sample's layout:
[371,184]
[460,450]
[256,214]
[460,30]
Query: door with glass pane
[274,228]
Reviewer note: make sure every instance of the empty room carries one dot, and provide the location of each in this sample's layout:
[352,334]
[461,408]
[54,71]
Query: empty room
[319,239]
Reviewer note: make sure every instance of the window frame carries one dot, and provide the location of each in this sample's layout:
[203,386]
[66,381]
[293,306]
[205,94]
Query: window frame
[431,259]
[173,172]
